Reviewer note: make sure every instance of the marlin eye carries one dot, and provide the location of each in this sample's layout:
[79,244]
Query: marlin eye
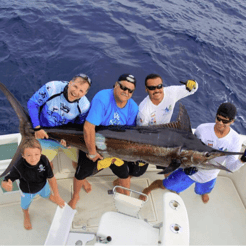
[207,154]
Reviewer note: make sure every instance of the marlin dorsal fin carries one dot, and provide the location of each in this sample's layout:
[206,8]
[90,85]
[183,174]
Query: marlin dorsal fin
[182,122]
[25,123]
[183,119]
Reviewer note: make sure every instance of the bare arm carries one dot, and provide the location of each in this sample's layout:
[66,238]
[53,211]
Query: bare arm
[90,136]
[58,200]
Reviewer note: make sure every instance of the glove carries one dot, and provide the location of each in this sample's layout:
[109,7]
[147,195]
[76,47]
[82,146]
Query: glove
[190,170]
[141,163]
[190,84]
[243,157]
[104,163]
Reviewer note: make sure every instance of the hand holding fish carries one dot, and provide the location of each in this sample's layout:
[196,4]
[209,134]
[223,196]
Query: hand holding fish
[94,157]
[190,170]
[40,134]
[7,185]
[64,143]
[243,157]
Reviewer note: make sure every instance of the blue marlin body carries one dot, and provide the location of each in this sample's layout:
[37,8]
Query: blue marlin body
[158,145]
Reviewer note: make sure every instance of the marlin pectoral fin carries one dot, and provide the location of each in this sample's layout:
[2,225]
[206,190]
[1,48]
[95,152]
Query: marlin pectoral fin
[175,163]
[219,166]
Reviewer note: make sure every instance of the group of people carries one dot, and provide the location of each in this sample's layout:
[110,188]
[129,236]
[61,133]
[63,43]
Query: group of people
[60,102]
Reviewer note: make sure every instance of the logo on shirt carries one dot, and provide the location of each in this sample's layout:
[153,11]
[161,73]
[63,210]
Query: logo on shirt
[168,109]
[65,108]
[152,119]
[43,94]
[56,118]
[210,143]
[115,120]
[41,168]
[55,109]
[222,149]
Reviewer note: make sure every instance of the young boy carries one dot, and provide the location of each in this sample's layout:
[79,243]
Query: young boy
[33,170]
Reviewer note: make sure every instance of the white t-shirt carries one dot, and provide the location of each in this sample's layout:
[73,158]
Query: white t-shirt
[151,114]
[231,142]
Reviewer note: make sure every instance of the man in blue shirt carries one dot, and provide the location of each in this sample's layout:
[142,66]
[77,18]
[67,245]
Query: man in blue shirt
[58,103]
[108,107]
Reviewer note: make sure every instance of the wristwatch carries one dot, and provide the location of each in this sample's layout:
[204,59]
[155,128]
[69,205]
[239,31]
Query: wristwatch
[92,156]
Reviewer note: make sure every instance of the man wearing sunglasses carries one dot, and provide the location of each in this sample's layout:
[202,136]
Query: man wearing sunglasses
[157,108]
[108,107]
[218,135]
[57,103]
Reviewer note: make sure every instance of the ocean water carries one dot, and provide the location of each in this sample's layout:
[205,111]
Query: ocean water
[42,41]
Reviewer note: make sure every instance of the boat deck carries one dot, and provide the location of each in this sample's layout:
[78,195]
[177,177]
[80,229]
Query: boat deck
[222,221]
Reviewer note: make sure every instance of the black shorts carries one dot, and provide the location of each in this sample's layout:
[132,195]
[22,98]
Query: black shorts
[87,167]
[135,170]
[128,169]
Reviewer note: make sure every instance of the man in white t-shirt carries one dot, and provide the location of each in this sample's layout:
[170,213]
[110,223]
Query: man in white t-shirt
[218,135]
[157,108]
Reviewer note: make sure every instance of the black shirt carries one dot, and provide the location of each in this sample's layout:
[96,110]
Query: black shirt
[32,178]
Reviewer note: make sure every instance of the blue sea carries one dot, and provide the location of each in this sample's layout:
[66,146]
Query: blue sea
[203,40]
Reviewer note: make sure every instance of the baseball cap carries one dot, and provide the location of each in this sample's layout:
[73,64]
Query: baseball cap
[128,77]
[227,110]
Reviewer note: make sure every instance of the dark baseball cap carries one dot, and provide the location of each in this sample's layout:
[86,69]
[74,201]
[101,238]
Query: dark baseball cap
[128,77]
[227,110]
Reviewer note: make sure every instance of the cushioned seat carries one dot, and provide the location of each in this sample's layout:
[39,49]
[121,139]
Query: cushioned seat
[126,230]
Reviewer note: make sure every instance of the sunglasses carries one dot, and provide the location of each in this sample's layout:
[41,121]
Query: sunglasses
[222,120]
[125,88]
[85,77]
[152,88]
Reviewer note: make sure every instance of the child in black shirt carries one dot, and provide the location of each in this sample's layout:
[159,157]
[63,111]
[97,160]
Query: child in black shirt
[33,170]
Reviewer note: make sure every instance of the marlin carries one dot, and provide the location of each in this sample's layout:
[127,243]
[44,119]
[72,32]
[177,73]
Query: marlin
[159,145]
